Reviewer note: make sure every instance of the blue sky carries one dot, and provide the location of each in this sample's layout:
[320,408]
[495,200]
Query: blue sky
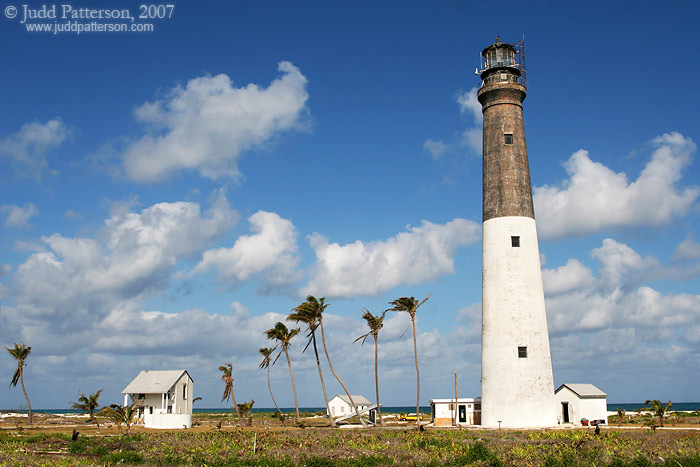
[167,196]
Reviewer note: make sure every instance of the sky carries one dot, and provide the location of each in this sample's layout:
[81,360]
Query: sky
[168,194]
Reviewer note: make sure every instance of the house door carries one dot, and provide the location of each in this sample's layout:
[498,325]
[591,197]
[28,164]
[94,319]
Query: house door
[565,412]
[462,414]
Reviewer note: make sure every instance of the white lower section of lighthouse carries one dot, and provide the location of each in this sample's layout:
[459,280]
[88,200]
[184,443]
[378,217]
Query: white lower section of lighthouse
[517,388]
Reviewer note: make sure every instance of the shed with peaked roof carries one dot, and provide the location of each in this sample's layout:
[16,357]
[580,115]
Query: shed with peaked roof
[577,401]
[163,397]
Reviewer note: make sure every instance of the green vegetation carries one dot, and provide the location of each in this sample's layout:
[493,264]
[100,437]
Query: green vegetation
[357,448]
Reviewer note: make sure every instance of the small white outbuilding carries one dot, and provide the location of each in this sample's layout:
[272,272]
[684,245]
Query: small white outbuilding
[340,405]
[467,411]
[163,398]
[576,401]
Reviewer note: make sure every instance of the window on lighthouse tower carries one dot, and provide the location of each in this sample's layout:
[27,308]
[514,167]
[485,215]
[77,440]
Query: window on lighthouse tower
[508,138]
[515,241]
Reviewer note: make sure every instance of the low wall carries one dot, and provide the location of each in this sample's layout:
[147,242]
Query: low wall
[168,420]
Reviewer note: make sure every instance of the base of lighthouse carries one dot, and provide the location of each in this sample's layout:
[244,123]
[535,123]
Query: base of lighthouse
[517,388]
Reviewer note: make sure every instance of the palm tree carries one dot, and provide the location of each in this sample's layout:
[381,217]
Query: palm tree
[87,404]
[20,352]
[247,409]
[620,416]
[410,305]
[658,408]
[308,315]
[281,334]
[119,415]
[375,323]
[267,352]
[227,378]
[312,309]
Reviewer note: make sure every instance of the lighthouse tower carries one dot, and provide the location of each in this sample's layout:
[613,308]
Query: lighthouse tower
[517,388]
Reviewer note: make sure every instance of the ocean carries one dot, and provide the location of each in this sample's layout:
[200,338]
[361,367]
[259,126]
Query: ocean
[626,406]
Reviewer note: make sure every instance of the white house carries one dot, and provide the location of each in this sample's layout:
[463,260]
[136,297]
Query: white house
[468,411]
[164,398]
[340,405]
[577,400]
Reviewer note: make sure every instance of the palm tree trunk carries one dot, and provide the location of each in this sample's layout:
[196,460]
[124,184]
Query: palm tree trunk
[269,387]
[294,388]
[415,353]
[323,384]
[376,379]
[29,406]
[352,402]
[235,406]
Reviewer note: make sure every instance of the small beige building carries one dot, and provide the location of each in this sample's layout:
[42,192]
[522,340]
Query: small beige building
[580,400]
[163,397]
[468,411]
[340,405]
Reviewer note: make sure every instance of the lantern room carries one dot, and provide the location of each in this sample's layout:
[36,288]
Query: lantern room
[503,62]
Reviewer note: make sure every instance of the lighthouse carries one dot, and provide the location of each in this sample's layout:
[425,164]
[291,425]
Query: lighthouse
[517,388]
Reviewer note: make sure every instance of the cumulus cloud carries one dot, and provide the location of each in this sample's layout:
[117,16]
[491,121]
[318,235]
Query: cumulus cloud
[687,250]
[615,297]
[573,275]
[421,254]
[271,250]
[18,216]
[208,123]
[75,281]
[28,148]
[595,198]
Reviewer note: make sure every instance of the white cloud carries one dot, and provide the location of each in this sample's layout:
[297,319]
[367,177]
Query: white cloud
[18,216]
[436,148]
[207,124]
[573,275]
[271,250]
[687,250]
[29,147]
[614,299]
[595,198]
[419,255]
[76,281]
[470,137]
[469,103]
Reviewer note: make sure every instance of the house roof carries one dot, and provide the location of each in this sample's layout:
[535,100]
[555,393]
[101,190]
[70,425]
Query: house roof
[154,381]
[582,390]
[359,400]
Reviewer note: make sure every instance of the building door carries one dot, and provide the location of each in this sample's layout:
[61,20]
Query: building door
[565,412]
[462,414]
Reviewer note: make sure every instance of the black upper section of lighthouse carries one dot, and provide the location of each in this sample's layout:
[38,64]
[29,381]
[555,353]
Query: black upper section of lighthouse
[506,189]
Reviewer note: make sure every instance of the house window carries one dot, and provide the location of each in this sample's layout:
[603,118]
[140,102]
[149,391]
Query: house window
[522,352]
[508,138]
[184,391]
[515,241]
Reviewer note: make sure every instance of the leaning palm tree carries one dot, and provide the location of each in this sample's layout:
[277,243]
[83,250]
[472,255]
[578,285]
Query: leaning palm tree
[659,409]
[281,334]
[87,404]
[309,316]
[410,305]
[312,309]
[267,352]
[20,352]
[375,323]
[227,377]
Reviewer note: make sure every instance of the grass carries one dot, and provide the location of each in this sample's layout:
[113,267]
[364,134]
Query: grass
[315,446]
